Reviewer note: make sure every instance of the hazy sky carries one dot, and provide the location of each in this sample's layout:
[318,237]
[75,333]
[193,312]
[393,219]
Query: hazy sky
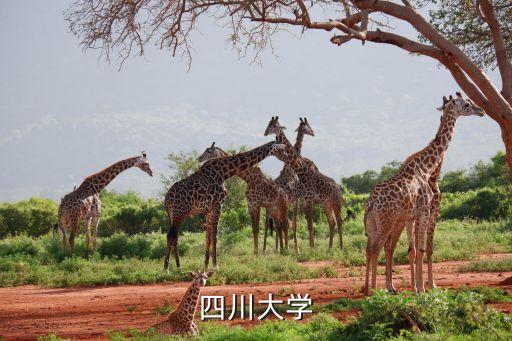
[64,114]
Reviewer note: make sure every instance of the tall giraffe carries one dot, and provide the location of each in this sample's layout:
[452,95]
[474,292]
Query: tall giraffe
[411,198]
[261,192]
[314,187]
[181,320]
[204,192]
[82,203]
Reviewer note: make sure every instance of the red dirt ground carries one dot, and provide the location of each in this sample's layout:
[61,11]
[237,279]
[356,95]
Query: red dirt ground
[27,312]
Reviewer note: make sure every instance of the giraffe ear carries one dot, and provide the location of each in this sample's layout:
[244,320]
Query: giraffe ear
[192,274]
[209,274]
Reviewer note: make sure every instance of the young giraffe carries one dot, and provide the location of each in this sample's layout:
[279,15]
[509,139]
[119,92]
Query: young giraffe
[411,198]
[260,192]
[204,192]
[80,204]
[181,320]
[313,188]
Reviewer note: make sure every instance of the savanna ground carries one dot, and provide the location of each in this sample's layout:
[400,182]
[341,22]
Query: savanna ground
[122,290]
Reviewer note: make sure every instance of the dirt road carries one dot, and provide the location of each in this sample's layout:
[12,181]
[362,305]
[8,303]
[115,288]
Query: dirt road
[27,312]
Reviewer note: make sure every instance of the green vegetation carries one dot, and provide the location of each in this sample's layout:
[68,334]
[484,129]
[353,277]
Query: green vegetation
[499,265]
[125,259]
[435,315]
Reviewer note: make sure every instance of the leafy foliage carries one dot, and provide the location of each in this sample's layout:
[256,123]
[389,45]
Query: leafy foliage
[460,22]
[364,183]
[482,174]
[436,312]
[35,217]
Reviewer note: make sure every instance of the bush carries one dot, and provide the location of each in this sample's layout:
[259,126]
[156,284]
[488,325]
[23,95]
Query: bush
[33,217]
[488,203]
[438,312]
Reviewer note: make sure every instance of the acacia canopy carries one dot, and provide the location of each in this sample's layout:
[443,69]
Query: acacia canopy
[468,37]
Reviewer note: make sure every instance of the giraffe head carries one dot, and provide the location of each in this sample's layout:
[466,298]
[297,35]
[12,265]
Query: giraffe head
[199,278]
[460,106]
[212,152]
[305,127]
[274,127]
[143,164]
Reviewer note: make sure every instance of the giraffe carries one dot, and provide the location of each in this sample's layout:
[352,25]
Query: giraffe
[181,320]
[91,217]
[261,192]
[83,203]
[313,187]
[411,199]
[204,192]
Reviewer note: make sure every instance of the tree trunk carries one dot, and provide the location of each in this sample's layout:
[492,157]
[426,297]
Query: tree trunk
[506,135]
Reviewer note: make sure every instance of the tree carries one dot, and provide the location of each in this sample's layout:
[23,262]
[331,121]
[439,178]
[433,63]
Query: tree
[364,183]
[467,37]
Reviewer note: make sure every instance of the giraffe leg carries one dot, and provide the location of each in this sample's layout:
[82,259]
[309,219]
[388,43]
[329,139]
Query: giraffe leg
[211,223]
[286,226]
[308,211]
[389,248]
[63,229]
[95,223]
[280,231]
[371,228]
[207,244]
[377,234]
[294,226]
[420,249]
[72,239]
[193,328]
[330,221]
[254,212]
[430,246]
[339,223]
[87,236]
[265,236]
[434,213]
[172,242]
[411,250]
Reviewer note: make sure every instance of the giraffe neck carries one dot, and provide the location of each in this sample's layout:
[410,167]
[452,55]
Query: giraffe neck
[93,184]
[251,175]
[281,138]
[432,156]
[186,309]
[298,141]
[234,165]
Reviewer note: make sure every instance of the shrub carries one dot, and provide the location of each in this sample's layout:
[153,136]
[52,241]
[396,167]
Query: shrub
[437,312]
[488,203]
[33,217]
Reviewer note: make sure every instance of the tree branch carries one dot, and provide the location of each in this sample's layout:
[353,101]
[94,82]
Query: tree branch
[488,14]
[410,15]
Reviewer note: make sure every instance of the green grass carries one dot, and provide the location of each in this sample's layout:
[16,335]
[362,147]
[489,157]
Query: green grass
[137,259]
[499,265]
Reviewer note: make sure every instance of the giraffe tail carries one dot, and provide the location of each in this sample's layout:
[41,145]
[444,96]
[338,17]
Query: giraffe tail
[367,209]
[55,229]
